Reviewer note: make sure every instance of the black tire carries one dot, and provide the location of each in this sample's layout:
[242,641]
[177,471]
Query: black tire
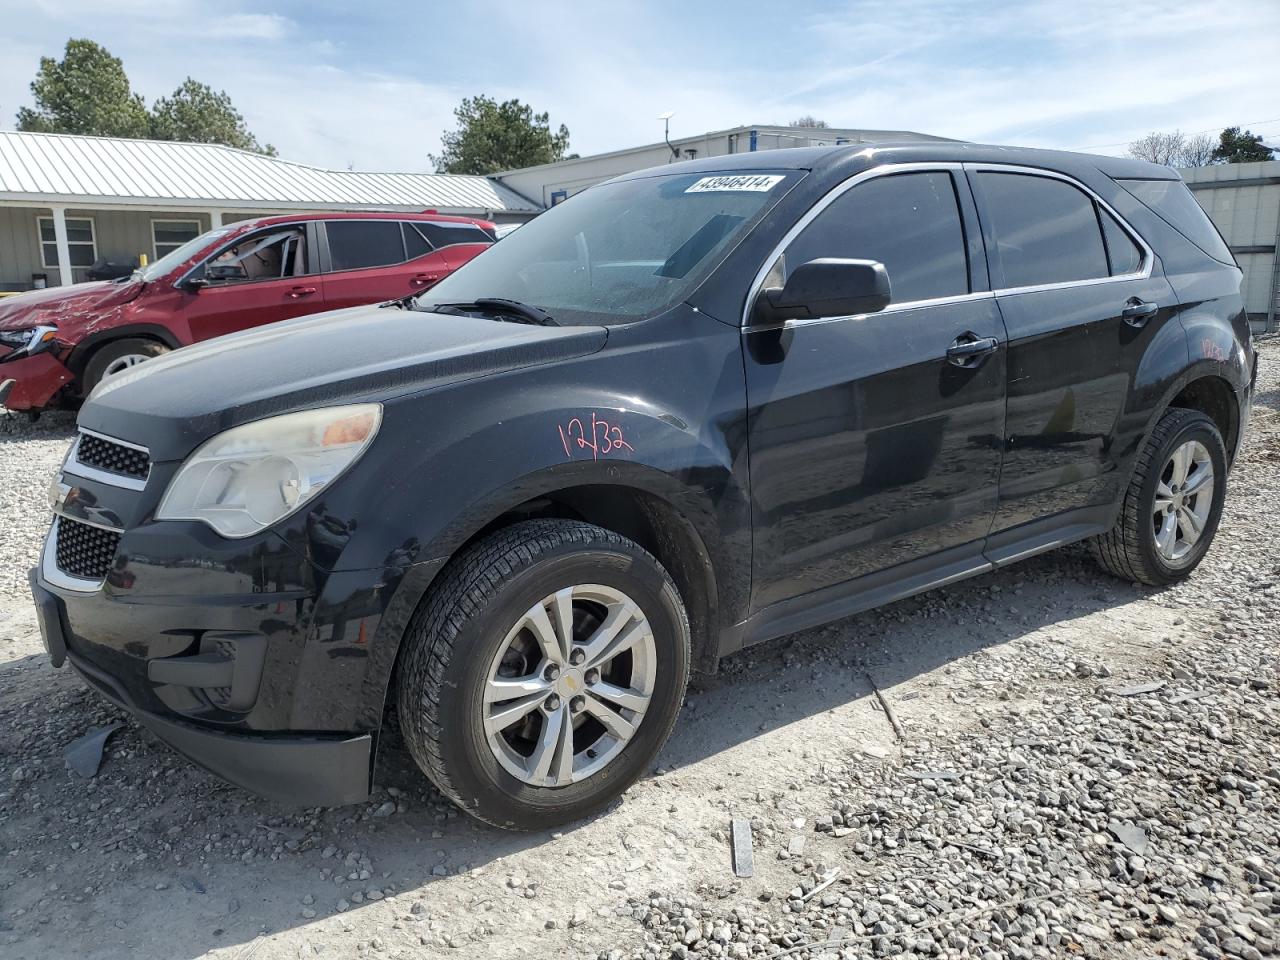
[456,634]
[1129,550]
[111,352]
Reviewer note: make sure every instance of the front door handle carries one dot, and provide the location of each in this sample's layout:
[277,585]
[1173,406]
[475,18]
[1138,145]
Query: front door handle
[968,349]
[297,293]
[422,279]
[1137,312]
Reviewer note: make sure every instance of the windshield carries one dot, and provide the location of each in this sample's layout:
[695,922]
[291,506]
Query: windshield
[618,251]
[175,258]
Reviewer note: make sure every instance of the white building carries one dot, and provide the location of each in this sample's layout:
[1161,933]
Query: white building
[1243,200]
[66,201]
[548,184]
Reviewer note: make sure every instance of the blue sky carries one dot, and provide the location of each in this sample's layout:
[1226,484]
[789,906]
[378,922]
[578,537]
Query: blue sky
[372,85]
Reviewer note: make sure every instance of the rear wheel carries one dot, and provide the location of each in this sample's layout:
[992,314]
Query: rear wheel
[542,675]
[1171,510]
[116,357]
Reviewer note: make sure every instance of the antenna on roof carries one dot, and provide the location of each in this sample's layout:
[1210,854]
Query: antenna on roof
[666,134]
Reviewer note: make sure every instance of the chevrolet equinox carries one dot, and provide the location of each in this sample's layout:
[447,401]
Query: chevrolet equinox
[690,409]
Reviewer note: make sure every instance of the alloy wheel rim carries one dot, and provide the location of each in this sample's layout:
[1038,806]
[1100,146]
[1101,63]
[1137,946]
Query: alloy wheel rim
[569,686]
[1184,498]
[123,363]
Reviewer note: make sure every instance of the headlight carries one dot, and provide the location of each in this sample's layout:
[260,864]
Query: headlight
[251,476]
[28,342]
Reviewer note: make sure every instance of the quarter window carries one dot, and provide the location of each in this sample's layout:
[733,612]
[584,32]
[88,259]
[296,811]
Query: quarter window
[1046,231]
[357,244]
[1124,254]
[81,243]
[910,222]
[168,235]
[445,234]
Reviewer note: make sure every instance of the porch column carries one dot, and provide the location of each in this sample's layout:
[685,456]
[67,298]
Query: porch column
[65,276]
[215,219]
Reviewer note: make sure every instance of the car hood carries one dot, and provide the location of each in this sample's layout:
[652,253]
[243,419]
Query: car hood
[70,309]
[174,403]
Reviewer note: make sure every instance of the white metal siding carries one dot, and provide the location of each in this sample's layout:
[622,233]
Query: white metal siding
[62,168]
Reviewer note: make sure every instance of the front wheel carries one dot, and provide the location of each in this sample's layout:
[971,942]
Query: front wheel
[543,673]
[116,357]
[1173,503]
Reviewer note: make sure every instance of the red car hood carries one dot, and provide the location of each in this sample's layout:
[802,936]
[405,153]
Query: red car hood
[70,309]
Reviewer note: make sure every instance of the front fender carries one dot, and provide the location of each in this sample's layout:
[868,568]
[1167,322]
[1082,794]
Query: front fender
[658,416]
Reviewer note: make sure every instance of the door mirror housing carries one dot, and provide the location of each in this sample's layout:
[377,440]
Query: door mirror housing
[194,284]
[829,287]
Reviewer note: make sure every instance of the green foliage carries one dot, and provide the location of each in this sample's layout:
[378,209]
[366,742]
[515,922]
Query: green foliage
[196,113]
[88,92]
[1236,147]
[494,136]
[85,92]
[808,120]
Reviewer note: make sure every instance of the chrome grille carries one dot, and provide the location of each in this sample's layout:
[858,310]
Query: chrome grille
[84,551]
[103,454]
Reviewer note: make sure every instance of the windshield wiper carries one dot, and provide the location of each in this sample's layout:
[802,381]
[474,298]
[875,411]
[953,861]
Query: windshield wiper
[522,312]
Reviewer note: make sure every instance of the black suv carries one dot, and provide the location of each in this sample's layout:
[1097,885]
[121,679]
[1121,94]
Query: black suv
[688,410]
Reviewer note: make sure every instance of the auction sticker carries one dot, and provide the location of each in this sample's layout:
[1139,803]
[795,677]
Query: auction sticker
[758,183]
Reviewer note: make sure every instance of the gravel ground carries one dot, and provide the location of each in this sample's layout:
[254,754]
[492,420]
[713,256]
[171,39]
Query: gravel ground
[1086,768]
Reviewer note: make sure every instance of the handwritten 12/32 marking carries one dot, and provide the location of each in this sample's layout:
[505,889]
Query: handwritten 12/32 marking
[601,438]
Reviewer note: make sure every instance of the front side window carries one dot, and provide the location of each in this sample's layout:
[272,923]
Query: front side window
[169,235]
[910,222]
[1045,230]
[81,243]
[271,254]
[358,244]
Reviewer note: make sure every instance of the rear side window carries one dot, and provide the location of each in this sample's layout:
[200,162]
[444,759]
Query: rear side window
[356,244]
[910,222]
[1177,206]
[1124,254]
[1046,231]
[447,234]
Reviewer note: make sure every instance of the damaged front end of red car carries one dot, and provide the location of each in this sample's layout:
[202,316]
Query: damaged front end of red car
[30,372]
[39,331]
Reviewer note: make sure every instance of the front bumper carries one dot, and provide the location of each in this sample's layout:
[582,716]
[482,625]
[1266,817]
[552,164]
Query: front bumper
[303,769]
[35,381]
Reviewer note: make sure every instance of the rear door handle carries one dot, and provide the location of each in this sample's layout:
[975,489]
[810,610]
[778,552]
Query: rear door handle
[422,279]
[968,349]
[1137,312]
[296,293]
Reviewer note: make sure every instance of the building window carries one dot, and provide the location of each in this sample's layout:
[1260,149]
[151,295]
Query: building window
[168,235]
[81,242]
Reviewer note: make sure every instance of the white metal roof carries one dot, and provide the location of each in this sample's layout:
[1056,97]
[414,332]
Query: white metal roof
[64,168]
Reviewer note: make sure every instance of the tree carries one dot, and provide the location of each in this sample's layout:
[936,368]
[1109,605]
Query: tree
[494,136]
[196,113]
[1197,151]
[1236,147]
[85,92]
[1175,149]
[808,120]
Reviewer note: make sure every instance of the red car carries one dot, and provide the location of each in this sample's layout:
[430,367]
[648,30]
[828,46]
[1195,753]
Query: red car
[56,344]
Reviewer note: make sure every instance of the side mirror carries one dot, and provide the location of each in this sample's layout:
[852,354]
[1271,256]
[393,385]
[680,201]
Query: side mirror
[829,287]
[195,284]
